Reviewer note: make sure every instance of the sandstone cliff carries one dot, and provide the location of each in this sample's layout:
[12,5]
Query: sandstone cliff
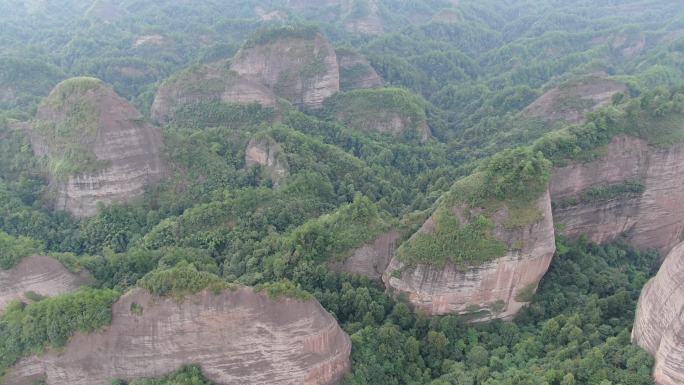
[209,83]
[651,216]
[298,66]
[659,324]
[41,275]
[370,260]
[265,152]
[98,147]
[497,288]
[355,71]
[571,102]
[238,337]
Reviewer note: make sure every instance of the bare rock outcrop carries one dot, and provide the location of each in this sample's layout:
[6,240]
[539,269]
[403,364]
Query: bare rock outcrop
[238,337]
[44,276]
[99,148]
[208,83]
[652,218]
[298,66]
[370,260]
[264,151]
[659,323]
[571,102]
[495,289]
[355,71]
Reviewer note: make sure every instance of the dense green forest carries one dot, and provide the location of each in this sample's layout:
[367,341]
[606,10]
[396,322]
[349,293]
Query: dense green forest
[466,69]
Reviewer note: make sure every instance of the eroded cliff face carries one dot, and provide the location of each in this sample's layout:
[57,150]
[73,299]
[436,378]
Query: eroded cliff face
[267,153]
[238,337]
[112,152]
[370,260]
[571,102]
[495,289]
[209,83]
[650,219]
[301,70]
[659,323]
[41,275]
[356,72]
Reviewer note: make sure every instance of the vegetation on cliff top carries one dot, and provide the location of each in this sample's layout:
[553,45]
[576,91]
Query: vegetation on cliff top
[181,280]
[293,31]
[13,249]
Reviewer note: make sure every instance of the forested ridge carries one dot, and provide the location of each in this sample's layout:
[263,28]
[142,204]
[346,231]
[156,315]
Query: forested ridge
[461,76]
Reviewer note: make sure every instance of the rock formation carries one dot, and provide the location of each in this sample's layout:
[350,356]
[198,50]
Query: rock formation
[99,148]
[44,276]
[659,324]
[357,16]
[651,219]
[371,259]
[265,152]
[299,66]
[571,102]
[238,337]
[494,289]
[355,71]
[387,110]
[208,83]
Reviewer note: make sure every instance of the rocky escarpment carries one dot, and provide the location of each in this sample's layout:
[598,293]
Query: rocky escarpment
[209,83]
[355,71]
[634,189]
[298,65]
[264,151]
[44,276]
[99,148]
[495,288]
[370,260]
[571,102]
[238,337]
[659,324]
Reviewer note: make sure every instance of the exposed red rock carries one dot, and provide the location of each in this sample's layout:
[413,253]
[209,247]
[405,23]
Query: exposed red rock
[659,325]
[651,220]
[238,337]
[41,275]
[267,153]
[356,72]
[371,259]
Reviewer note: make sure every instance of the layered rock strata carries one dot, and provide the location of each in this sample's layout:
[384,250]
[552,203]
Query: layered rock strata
[302,70]
[215,83]
[355,71]
[99,147]
[650,219]
[238,337]
[39,275]
[494,289]
[659,324]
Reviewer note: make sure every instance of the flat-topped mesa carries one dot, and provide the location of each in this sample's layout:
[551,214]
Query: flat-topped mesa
[264,151]
[659,325]
[296,63]
[634,189]
[38,276]
[238,337]
[571,102]
[99,148]
[207,84]
[355,71]
[388,110]
[479,255]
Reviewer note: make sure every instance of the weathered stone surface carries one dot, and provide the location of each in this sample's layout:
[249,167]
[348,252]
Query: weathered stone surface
[659,323]
[496,289]
[652,220]
[238,337]
[42,275]
[267,153]
[208,83]
[301,70]
[571,102]
[113,131]
[355,71]
[370,260]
